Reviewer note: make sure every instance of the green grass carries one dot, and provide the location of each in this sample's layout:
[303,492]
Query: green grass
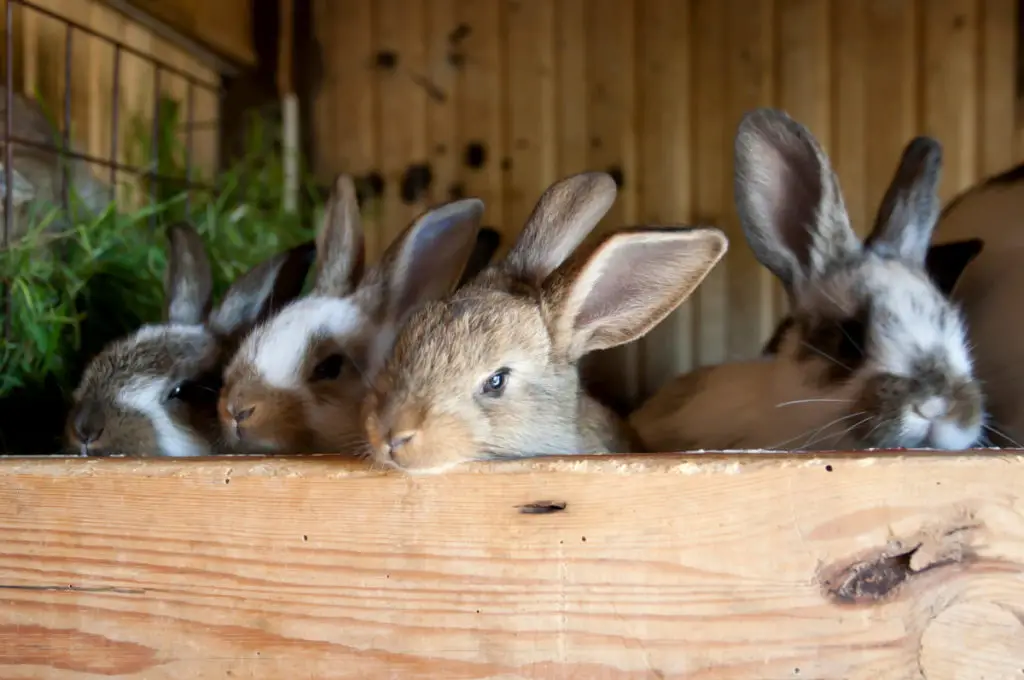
[105,277]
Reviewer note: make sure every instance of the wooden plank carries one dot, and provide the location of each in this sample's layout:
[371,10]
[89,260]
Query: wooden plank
[481,107]
[665,165]
[442,111]
[950,74]
[891,112]
[849,101]
[713,199]
[998,87]
[530,141]
[225,26]
[611,120]
[751,72]
[401,61]
[571,64]
[724,568]
[346,103]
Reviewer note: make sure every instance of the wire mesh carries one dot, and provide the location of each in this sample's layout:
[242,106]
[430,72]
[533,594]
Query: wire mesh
[65,152]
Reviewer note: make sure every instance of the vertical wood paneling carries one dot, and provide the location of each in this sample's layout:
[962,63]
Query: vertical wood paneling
[347,113]
[891,111]
[530,143]
[481,108]
[652,90]
[611,82]
[665,179]
[997,86]
[403,111]
[751,71]
[950,76]
[442,122]
[848,98]
[713,200]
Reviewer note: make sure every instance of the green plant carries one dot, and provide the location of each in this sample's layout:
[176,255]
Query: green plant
[74,289]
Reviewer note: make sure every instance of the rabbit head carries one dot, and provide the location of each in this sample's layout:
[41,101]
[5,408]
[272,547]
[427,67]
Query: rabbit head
[868,319]
[297,382]
[154,392]
[491,372]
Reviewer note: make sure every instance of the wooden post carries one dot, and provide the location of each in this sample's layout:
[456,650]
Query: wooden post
[290,119]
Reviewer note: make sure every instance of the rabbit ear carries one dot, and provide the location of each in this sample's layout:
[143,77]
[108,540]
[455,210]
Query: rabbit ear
[565,214]
[22,192]
[946,262]
[426,260]
[628,285]
[188,281]
[910,207]
[788,199]
[340,252]
[262,290]
[487,242]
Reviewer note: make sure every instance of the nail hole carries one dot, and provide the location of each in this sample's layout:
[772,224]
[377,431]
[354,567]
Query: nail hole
[541,507]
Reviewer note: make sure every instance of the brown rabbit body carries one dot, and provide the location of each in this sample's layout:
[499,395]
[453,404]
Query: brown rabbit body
[491,372]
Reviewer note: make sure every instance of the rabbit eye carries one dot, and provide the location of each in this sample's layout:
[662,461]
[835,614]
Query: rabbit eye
[494,386]
[204,389]
[329,368]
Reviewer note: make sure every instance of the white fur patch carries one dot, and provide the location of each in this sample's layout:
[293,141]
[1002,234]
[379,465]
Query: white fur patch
[146,395]
[153,332]
[277,349]
[924,323]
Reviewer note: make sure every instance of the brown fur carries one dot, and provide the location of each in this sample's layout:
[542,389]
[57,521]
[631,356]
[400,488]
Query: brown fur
[180,362]
[872,342]
[533,314]
[333,340]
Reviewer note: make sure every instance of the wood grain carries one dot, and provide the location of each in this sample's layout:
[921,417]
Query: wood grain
[709,567]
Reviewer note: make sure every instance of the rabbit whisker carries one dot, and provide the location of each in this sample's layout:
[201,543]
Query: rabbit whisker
[812,401]
[826,355]
[808,434]
[1000,433]
[840,435]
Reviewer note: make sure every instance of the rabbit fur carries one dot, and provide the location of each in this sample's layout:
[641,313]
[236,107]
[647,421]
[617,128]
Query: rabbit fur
[876,355]
[491,371]
[154,392]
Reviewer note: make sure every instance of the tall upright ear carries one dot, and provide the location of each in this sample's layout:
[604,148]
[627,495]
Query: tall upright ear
[188,281]
[910,208]
[628,285]
[565,214]
[262,291]
[426,260]
[946,262]
[487,242]
[22,191]
[340,249]
[788,198]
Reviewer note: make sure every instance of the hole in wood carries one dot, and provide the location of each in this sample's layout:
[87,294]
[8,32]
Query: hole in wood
[541,507]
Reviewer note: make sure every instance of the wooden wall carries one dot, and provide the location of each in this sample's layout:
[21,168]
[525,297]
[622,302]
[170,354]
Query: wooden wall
[39,70]
[652,90]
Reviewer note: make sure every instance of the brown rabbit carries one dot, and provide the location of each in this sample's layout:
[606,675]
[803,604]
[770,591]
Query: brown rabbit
[36,174]
[297,381]
[492,373]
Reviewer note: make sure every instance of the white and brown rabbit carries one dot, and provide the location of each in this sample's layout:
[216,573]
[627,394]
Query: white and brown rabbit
[491,372]
[154,392]
[876,355]
[36,174]
[298,380]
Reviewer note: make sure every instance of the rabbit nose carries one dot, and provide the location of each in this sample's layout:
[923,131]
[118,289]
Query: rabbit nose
[397,440]
[88,425]
[931,409]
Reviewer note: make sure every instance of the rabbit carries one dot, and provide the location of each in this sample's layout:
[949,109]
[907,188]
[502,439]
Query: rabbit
[491,372]
[154,392]
[37,174]
[297,382]
[876,354]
